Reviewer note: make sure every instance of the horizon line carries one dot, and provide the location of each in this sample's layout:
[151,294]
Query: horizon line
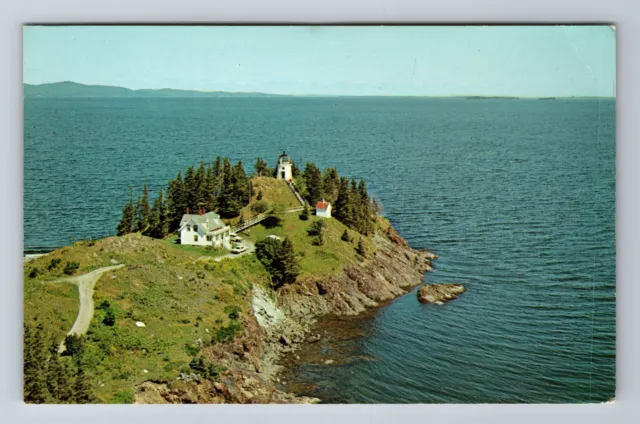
[509,96]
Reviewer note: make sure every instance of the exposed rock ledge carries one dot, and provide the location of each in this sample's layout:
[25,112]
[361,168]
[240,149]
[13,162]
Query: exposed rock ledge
[440,293]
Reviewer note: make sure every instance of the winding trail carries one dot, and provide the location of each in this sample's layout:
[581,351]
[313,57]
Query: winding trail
[85,283]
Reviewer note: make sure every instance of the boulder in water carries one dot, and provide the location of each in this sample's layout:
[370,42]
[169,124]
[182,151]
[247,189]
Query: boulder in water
[440,293]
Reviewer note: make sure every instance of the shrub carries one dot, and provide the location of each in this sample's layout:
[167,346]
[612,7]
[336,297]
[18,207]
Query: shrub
[233,311]
[279,260]
[228,333]
[54,263]
[318,240]
[317,227]
[304,215]
[71,268]
[109,318]
[345,236]
[259,195]
[260,206]
[125,396]
[360,250]
[104,305]
[34,272]
[74,344]
[192,350]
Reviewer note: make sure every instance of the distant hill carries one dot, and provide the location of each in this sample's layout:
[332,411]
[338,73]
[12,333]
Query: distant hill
[74,89]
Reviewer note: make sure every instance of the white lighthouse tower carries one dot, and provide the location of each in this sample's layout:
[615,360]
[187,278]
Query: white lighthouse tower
[283,170]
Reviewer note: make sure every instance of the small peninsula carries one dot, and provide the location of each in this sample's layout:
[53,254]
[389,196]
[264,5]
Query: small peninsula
[206,286]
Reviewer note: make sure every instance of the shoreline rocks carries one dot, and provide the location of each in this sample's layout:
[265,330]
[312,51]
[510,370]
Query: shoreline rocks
[439,293]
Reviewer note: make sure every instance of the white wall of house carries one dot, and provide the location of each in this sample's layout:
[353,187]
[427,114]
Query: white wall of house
[324,213]
[189,236]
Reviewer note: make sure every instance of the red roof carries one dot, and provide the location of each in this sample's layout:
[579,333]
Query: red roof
[322,205]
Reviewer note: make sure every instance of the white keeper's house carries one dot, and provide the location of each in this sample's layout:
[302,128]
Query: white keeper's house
[205,229]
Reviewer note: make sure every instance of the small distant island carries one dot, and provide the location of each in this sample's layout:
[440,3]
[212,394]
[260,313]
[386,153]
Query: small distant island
[207,284]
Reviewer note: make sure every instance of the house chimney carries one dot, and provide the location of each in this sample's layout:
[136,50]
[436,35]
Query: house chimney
[187,211]
[201,212]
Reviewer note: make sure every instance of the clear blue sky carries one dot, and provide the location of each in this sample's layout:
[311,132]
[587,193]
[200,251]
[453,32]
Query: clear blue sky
[381,60]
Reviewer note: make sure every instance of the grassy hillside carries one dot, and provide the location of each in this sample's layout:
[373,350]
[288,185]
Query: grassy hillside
[187,305]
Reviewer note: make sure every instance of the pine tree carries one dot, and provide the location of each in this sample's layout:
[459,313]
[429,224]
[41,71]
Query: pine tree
[342,210]
[345,236]
[228,205]
[53,370]
[331,184]
[65,383]
[176,202]
[210,188]
[313,181]
[201,187]
[240,182]
[217,176]
[190,189]
[158,223]
[83,392]
[126,223]
[304,215]
[35,387]
[288,262]
[143,211]
[261,167]
[360,250]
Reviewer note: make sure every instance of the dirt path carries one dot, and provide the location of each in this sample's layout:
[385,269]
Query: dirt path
[85,284]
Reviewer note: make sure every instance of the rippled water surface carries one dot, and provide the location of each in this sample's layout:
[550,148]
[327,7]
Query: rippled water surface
[516,196]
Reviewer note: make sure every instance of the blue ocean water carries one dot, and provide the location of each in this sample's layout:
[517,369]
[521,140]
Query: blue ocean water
[516,196]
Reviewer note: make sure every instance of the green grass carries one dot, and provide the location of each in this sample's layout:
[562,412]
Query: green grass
[195,251]
[274,192]
[328,259]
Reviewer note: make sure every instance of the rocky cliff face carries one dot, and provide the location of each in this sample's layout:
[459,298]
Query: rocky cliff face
[280,325]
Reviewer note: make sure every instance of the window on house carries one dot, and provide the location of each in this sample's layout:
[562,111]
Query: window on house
[209,238]
[188,227]
[195,228]
[195,238]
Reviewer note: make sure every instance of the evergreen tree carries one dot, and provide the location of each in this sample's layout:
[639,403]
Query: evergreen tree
[304,215]
[143,211]
[65,382]
[217,176]
[331,184]
[83,392]
[345,236]
[261,167]
[313,180]
[360,250]
[35,387]
[295,171]
[159,225]
[176,202]
[201,195]
[126,223]
[210,188]
[191,189]
[53,370]
[240,183]
[288,262]
[228,205]
[259,197]
[342,210]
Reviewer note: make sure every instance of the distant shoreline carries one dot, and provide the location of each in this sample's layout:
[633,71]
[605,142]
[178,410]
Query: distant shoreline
[74,90]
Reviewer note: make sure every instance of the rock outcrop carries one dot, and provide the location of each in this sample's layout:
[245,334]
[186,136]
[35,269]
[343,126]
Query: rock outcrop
[440,293]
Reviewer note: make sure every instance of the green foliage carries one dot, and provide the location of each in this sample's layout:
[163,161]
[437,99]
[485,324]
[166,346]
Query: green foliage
[34,272]
[54,263]
[122,397]
[304,215]
[71,267]
[228,333]
[345,236]
[143,212]
[109,318]
[317,227]
[126,224]
[261,206]
[360,250]
[232,311]
[261,167]
[313,180]
[191,349]
[260,194]
[205,368]
[279,259]
[74,344]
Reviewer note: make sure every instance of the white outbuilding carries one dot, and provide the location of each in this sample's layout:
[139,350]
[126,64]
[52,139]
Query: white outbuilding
[323,209]
[205,229]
